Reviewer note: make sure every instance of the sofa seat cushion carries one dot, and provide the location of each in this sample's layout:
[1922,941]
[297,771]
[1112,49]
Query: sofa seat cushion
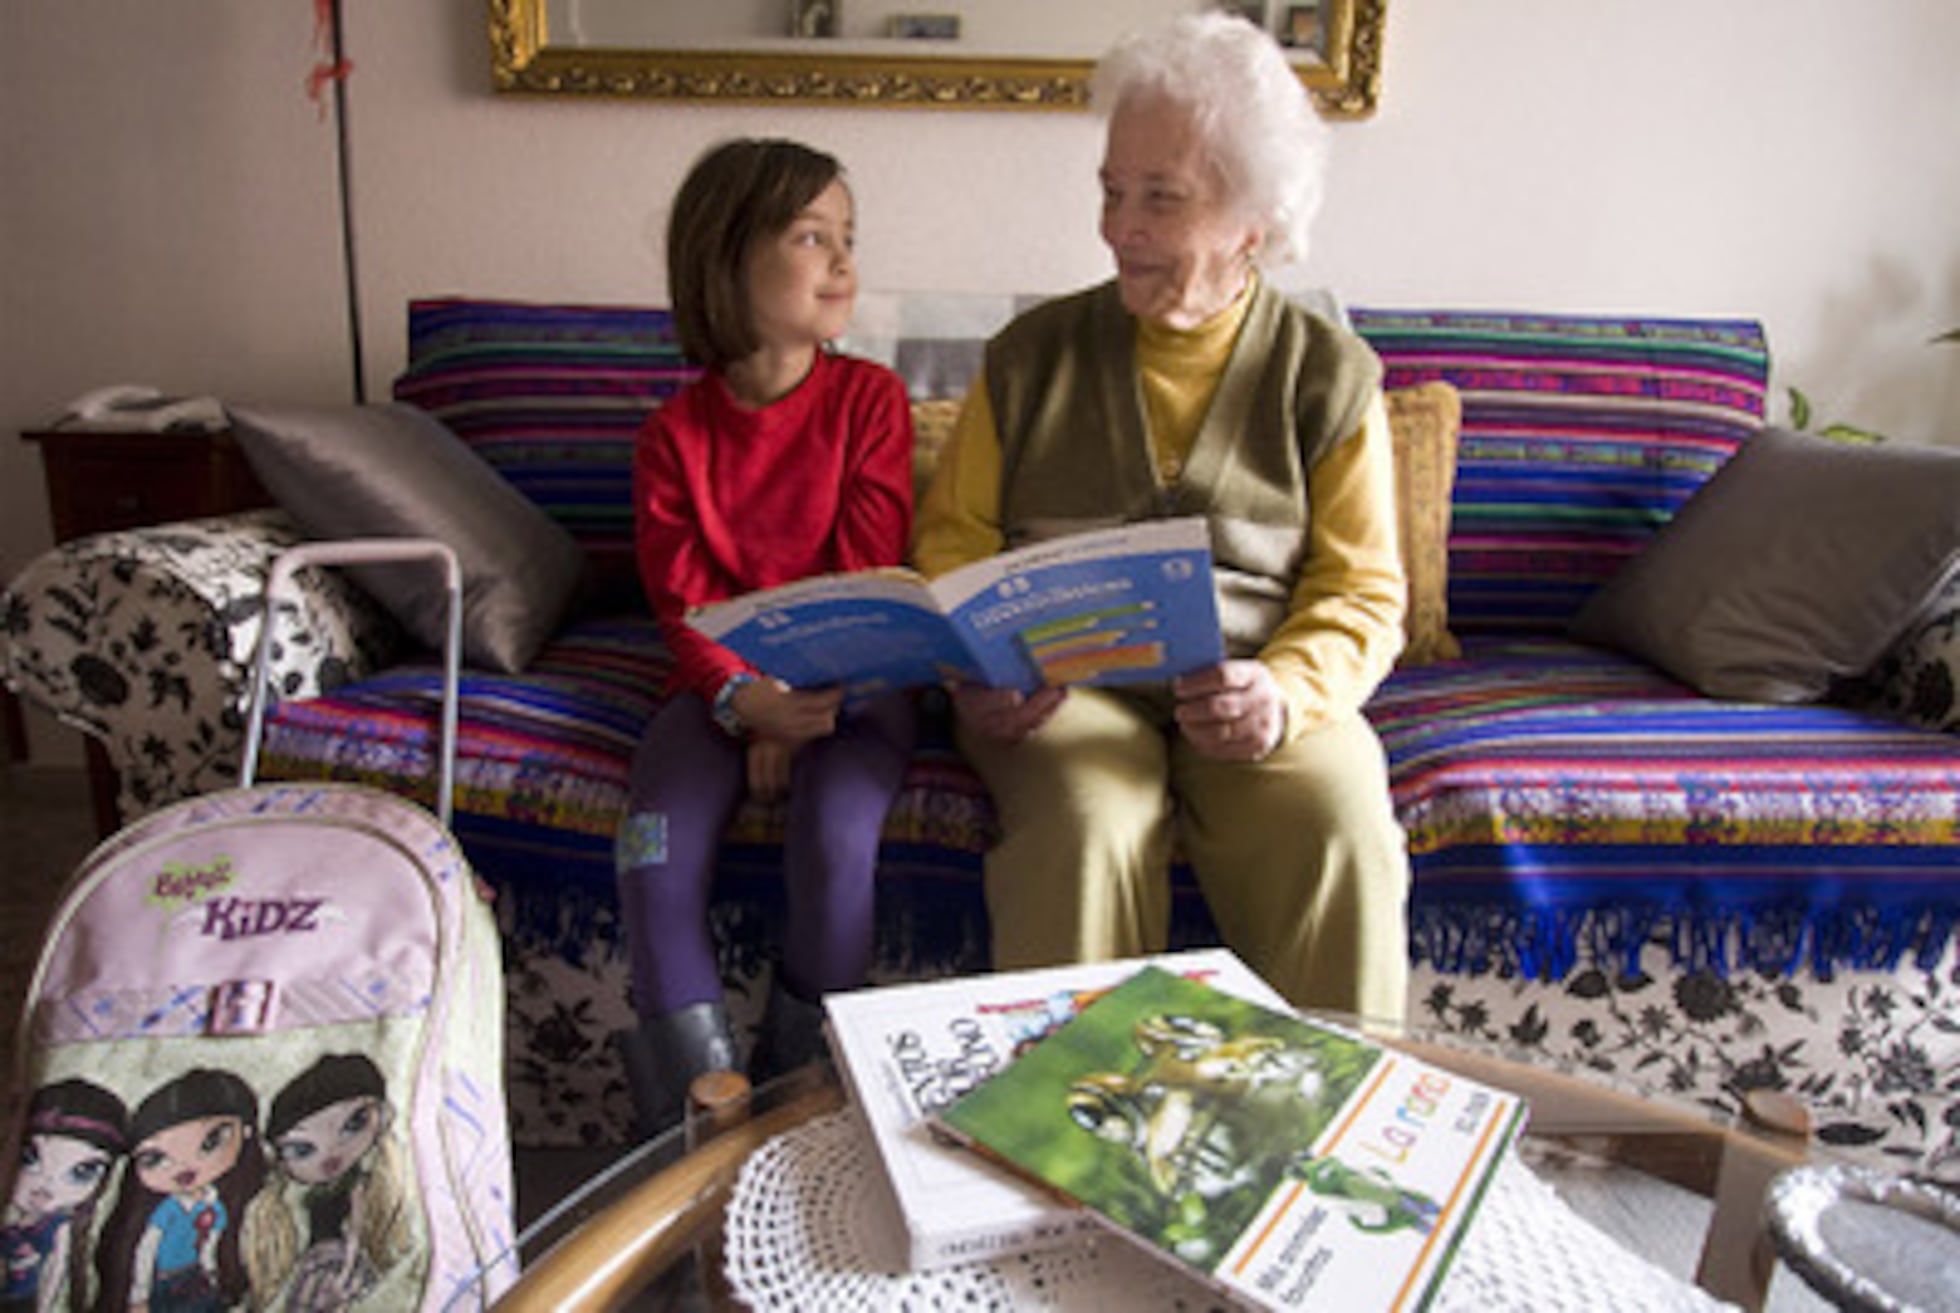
[1581,435]
[1561,800]
[542,766]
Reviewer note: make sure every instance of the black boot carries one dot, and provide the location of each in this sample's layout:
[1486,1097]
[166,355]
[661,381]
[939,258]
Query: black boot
[665,1053]
[791,1036]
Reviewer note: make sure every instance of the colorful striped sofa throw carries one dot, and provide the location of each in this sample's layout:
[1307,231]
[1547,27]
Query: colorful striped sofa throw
[1566,804]
[1562,803]
[1585,833]
[551,396]
[1581,435]
[542,762]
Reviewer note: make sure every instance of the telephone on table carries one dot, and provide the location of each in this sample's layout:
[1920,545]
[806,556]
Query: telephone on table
[133,407]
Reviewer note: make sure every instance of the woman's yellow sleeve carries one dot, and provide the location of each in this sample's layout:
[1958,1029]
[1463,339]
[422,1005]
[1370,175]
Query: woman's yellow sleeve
[1343,629]
[959,520]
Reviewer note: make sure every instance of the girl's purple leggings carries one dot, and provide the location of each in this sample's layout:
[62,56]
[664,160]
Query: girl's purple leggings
[688,778]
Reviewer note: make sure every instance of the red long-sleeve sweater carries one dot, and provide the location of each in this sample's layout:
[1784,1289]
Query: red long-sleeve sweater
[728,499]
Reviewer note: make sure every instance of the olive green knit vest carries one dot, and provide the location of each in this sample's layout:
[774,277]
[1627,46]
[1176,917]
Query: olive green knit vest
[1075,453]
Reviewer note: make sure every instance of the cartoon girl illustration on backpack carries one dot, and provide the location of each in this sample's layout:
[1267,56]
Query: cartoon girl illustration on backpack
[173,1240]
[330,1133]
[75,1133]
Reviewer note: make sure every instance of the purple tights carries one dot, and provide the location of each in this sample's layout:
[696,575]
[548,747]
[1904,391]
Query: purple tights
[688,778]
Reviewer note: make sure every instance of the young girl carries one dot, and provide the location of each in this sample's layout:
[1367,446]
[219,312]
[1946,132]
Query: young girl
[173,1238]
[75,1133]
[331,1146]
[782,461]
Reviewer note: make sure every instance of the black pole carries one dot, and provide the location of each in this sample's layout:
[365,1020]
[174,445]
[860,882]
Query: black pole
[347,209]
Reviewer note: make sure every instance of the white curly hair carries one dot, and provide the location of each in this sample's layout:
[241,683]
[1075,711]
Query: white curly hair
[1247,105]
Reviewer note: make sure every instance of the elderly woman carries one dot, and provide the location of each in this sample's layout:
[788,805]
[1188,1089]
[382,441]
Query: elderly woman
[1189,386]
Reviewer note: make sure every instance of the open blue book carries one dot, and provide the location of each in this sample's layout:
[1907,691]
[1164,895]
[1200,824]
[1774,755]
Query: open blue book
[1132,604]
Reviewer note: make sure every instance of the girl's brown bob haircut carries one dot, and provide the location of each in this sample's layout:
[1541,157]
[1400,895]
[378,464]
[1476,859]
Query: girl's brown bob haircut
[737,193]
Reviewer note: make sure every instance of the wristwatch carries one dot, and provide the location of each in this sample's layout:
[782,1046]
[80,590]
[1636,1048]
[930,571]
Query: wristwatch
[726,717]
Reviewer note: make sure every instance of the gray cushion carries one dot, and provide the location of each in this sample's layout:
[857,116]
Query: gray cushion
[395,471]
[1796,564]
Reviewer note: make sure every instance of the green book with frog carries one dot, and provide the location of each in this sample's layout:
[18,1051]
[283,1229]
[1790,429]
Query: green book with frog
[1287,1161]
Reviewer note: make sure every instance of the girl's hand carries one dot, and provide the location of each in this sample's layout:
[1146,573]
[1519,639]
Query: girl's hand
[1003,713]
[769,763]
[1232,711]
[774,711]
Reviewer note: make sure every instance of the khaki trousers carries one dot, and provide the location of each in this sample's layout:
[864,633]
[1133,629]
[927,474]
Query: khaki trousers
[1299,856]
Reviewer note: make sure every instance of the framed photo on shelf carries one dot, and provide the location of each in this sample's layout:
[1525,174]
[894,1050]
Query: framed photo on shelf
[813,18]
[925,27]
[1303,29]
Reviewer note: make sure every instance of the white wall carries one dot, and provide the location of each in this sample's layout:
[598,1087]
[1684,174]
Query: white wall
[168,206]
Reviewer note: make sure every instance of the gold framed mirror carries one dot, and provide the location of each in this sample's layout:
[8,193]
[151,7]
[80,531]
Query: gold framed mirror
[965,54]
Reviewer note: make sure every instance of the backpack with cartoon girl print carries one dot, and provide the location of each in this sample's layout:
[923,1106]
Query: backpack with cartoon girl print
[263,1059]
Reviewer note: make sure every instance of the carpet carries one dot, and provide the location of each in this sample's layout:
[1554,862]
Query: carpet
[46,829]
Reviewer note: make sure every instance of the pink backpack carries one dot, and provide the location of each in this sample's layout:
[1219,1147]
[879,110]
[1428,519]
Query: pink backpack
[262,1055]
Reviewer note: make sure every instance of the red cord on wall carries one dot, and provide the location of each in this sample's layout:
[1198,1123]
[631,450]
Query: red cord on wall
[331,70]
[332,66]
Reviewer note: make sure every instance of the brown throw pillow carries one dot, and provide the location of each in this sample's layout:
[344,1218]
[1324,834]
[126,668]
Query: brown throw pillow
[394,471]
[1798,563]
[1424,420]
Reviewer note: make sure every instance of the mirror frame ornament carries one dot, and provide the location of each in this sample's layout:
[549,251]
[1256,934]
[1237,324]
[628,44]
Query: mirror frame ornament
[524,62]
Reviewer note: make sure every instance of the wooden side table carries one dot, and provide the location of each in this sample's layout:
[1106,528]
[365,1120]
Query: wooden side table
[99,481]
[102,481]
[13,726]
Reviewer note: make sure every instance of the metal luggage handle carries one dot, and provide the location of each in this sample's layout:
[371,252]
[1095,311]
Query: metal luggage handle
[366,551]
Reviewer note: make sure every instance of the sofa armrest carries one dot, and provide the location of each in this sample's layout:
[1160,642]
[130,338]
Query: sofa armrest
[144,640]
[1917,679]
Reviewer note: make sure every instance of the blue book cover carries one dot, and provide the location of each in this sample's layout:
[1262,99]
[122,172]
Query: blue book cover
[1132,604]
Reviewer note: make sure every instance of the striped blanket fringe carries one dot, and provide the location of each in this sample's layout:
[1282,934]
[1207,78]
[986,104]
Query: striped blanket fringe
[1550,943]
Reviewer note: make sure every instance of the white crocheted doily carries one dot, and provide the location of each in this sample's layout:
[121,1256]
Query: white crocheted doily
[813,1224]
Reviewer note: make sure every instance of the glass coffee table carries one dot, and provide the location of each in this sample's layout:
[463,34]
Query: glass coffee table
[643,1229]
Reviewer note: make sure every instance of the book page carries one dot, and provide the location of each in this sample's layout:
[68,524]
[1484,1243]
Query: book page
[869,631]
[1131,604]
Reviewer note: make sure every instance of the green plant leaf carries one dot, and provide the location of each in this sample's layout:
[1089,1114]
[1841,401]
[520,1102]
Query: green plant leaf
[1850,433]
[1799,409]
